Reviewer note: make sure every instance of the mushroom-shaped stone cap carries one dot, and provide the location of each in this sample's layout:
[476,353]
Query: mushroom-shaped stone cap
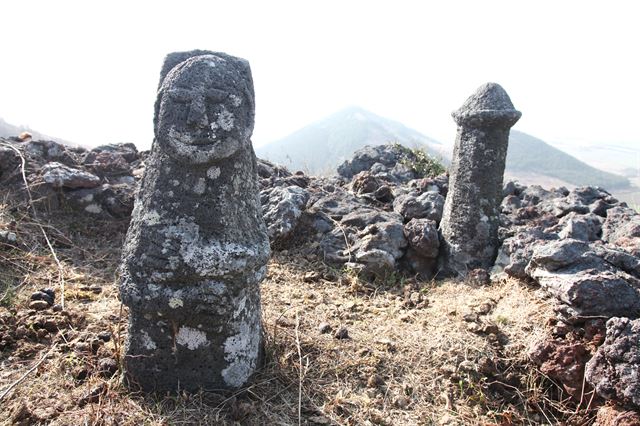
[488,106]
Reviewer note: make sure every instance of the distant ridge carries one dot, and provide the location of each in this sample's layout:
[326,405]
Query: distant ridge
[529,156]
[8,130]
[319,147]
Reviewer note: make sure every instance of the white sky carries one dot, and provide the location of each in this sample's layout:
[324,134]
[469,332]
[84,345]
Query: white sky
[87,71]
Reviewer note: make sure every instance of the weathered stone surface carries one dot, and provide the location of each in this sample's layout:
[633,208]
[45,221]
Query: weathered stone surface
[613,415]
[197,246]
[471,213]
[587,227]
[282,209]
[390,162]
[47,151]
[417,206]
[422,235]
[60,176]
[622,228]
[9,161]
[365,183]
[105,200]
[614,371]
[584,282]
[562,361]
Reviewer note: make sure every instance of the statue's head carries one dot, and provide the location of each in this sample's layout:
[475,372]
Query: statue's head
[205,109]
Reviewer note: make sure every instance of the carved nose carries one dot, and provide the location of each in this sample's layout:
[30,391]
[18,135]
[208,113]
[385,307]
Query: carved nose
[198,114]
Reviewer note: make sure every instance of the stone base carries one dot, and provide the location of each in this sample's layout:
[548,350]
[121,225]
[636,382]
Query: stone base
[190,352]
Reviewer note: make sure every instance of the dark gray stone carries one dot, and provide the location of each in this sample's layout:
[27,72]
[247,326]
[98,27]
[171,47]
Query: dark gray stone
[516,252]
[426,205]
[282,208]
[622,228]
[582,281]
[197,246]
[587,227]
[47,151]
[472,209]
[60,176]
[115,201]
[422,235]
[614,371]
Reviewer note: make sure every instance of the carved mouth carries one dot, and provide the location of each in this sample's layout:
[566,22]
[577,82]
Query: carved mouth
[202,142]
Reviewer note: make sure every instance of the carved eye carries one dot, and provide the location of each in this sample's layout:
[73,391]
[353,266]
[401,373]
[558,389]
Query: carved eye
[180,95]
[216,95]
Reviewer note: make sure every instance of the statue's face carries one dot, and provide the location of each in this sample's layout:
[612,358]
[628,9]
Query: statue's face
[205,109]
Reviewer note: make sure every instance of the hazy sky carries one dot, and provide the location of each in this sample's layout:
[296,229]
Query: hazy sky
[87,71]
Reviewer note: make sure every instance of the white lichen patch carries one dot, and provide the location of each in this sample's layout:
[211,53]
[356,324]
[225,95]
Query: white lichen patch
[151,217]
[87,198]
[241,305]
[147,342]
[174,303]
[175,182]
[191,338]
[225,120]
[237,100]
[213,172]
[93,208]
[200,187]
[241,351]
[208,257]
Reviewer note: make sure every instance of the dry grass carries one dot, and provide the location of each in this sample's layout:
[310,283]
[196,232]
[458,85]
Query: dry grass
[417,353]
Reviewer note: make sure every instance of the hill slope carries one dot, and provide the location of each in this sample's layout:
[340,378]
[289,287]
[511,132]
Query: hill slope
[8,130]
[319,147]
[531,158]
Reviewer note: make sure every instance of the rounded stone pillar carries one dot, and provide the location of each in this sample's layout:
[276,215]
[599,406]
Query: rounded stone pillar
[469,226]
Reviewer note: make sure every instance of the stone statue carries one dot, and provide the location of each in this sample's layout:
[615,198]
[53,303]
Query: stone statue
[471,216]
[197,246]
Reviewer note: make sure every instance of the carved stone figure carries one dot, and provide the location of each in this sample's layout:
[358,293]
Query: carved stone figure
[471,212]
[197,246]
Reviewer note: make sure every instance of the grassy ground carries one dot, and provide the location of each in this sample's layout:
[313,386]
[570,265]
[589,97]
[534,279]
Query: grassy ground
[410,353]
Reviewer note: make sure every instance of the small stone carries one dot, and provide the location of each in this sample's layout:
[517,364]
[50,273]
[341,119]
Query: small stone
[105,336]
[324,328]
[470,317]
[342,333]
[80,373]
[38,305]
[40,295]
[484,308]
[490,329]
[95,345]
[479,276]
[467,366]
[375,381]
[57,307]
[107,367]
[311,277]
[402,402]
[93,395]
[51,292]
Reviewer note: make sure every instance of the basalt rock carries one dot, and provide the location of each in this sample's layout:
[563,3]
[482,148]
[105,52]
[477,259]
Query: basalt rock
[614,371]
[622,228]
[583,281]
[472,209]
[197,245]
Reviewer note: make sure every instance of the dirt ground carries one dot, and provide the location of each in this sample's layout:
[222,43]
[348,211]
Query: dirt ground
[338,350]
